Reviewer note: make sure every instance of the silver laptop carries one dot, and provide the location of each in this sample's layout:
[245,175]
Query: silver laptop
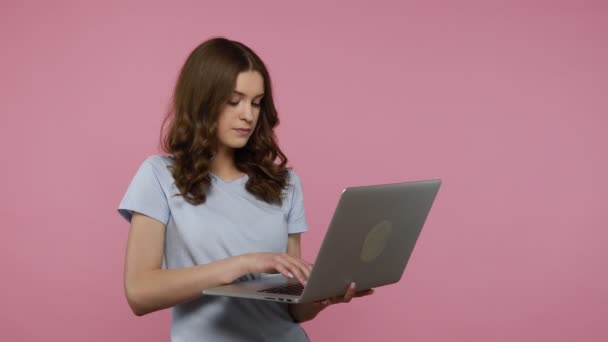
[369,241]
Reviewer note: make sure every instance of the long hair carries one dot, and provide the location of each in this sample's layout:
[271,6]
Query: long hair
[189,131]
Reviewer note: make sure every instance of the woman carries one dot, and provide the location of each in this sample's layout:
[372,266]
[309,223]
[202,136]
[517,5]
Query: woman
[221,207]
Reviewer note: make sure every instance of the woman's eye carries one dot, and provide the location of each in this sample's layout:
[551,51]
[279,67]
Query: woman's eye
[233,102]
[256,104]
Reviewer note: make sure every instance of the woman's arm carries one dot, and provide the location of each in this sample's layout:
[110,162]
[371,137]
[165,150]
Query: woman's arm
[149,288]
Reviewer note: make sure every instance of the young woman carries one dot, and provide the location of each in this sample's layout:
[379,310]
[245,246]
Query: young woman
[221,207]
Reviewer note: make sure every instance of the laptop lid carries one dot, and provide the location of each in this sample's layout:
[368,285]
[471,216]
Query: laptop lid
[371,237]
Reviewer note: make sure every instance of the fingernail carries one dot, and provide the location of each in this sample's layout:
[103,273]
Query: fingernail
[352,285]
[290,275]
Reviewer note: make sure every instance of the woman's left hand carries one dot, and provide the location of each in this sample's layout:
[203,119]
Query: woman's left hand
[308,311]
[351,292]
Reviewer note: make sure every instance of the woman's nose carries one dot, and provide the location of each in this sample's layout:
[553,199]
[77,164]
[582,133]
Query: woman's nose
[247,113]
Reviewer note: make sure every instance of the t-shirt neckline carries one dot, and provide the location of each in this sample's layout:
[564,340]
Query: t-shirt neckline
[239,180]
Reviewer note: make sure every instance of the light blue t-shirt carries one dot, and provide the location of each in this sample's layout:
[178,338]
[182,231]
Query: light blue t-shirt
[230,222]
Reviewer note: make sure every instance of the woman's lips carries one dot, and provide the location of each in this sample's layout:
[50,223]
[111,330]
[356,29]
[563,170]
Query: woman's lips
[243,131]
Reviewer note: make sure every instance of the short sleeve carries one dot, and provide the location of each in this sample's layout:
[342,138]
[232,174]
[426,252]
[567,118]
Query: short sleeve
[145,195]
[296,219]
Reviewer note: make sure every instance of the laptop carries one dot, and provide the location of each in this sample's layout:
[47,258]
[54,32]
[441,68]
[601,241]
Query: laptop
[369,241]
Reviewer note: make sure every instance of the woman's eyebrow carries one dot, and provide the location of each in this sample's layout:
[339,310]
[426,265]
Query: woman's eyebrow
[242,94]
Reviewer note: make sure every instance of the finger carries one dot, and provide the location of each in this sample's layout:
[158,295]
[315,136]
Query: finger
[308,265]
[289,270]
[364,293]
[345,298]
[304,266]
[322,304]
[300,272]
[293,268]
[336,300]
[350,293]
[298,267]
[283,270]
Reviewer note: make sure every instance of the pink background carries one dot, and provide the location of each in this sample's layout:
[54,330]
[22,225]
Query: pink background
[504,101]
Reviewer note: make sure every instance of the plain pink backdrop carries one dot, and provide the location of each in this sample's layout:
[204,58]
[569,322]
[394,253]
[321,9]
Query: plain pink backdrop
[504,101]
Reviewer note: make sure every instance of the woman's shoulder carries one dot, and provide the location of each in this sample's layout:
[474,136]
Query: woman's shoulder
[159,165]
[294,183]
[292,177]
[159,160]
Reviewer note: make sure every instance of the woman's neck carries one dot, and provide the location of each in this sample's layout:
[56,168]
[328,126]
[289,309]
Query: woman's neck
[223,165]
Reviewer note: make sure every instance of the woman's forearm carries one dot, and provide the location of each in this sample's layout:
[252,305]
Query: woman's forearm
[159,289]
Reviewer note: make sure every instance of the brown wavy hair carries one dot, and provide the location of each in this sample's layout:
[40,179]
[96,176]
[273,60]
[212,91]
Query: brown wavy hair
[189,132]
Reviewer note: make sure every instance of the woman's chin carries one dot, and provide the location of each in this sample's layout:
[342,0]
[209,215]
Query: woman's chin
[237,145]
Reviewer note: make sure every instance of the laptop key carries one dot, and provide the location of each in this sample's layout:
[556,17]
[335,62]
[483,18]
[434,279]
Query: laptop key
[295,289]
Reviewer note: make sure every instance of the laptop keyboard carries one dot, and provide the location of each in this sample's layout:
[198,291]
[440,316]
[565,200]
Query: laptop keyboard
[295,289]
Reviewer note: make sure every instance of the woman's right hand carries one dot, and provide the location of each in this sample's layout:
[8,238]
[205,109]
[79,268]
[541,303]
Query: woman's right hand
[283,263]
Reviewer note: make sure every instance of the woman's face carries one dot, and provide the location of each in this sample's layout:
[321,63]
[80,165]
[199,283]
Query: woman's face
[239,116]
